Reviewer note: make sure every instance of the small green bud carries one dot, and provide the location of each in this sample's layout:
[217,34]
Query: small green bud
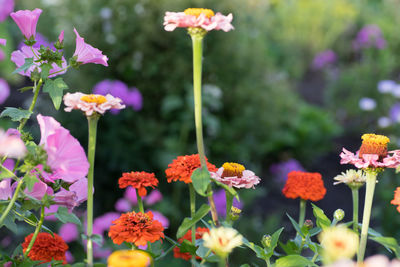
[309,224]
[338,215]
[235,213]
[266,241]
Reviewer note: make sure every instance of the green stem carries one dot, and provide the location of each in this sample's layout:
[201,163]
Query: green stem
[222,262]
[268,262]
[302,212]
[193,211]
[139,201]
[369,196]
[214,214]
[197,64]
[229,202]
[35,234]
[36,89]
[354,192]
[92,124]
[13,199]
[314,257]
[205,256]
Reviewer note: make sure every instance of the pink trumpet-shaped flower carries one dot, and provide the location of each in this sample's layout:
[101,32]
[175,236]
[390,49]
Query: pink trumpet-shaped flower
[61,37]
[27,21]
[6,7]
[86,53]
[11,146]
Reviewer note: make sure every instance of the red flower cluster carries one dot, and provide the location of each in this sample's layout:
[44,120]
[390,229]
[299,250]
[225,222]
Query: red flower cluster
[306,185]
[396,199]
[182,168]
[138,180]
[188,236]
[138,228]
[46,248]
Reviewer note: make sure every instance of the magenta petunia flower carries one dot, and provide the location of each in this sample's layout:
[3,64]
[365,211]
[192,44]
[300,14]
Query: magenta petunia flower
[19,56]
[86,53]
[27,21]
[235,175]
[90,104]
[11,146]
[6,7]
[66,157]
[372,154]
[4,91]
[197,18]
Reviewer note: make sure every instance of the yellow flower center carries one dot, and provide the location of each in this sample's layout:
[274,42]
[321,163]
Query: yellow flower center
[232,169]
[126,258]
[98,99]
[197,11]
[374,144]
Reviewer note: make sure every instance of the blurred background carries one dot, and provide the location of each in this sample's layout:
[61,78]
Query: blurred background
[295,82]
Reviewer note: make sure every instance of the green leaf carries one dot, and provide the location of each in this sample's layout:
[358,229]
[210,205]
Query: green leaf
[26,88]
[322,220]
[98,239]
[202,251]
[64,216]
[294,261]
[187,246]
[188,222]
[388,242]
[9,222]
[227,188]
[30,181]
[45,70]
[15,114]
[295,225]
[260,252]
[28,63]
[274,242]
[201,179]
[55,89]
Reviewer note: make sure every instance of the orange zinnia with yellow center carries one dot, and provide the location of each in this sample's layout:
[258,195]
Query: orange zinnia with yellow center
[232,169]
[197,11]
[374,144]
[98,99]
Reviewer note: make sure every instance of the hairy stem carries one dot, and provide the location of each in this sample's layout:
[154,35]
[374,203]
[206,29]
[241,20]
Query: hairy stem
[35,234]
[36,89]
[354,193]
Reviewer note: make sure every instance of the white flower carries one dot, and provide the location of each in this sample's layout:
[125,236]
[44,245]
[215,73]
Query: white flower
[351,178]
[222,240]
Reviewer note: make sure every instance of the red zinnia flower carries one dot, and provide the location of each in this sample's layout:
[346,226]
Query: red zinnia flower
[138,228]
[188,236]
[138,180]
[306,185]
[46,248]
[396,199]
[182,168]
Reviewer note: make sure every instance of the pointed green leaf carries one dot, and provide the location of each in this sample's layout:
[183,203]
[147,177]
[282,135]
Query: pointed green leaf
[55,88]
[9,222]
[187,246]
[388,242]
[26,88]
[227,188]
[28,63]
[15,114]
[295,225]
[45,71]
[201,179]
[64,216]
[274,242]
[294,261]
[188,222]
[322,220]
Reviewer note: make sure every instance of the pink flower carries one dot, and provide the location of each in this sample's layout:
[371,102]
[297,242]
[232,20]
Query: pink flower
[235,175]
[86,53]
[19,56]
[39,190]
[61,37]
[26,21]
[65,155]
[69,257]
[154,197]
[3,41]
[130,194]
[373,261]
[91,103]
[69,232]
[103,223]
[6,7]
[4,91]
[5,184]
[161,218]
[197,18]
[11,146]
[51,209]
[122,205]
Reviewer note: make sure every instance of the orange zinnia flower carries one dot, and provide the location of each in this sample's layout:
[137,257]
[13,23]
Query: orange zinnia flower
[138,180]
[396,199]
[188,236]
[46,248]
[138,228]
[182,168]
[306,185]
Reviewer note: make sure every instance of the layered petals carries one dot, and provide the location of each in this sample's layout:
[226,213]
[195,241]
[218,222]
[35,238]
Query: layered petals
[86,53]
[391,160]
[247,180]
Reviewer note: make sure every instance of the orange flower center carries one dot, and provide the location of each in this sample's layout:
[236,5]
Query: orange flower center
[339,244]
[98,99]
[197,11]
[232,169]
[374,144]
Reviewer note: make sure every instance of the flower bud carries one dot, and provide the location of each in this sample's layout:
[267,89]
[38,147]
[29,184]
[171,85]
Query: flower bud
[266,241]
[35,74]
[309,224]
[235,213]
[338,215]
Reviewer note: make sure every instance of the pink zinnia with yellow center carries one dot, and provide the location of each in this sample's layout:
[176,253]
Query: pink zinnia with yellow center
[235,175]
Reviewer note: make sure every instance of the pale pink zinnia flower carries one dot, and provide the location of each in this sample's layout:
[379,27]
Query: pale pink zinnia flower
[91,103]
[85,53]
[372,154]
[27,21]
[11,146]
[197,18]
[235,175]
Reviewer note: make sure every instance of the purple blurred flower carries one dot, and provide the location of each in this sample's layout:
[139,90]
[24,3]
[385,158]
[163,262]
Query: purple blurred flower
[69,232]
[394,112]
[154,197]
[123,205]
[386,86]
[384,122]
[2,55]
[51,209]
[323,59]
[369,36]
[161,218]
[69,257]
[280,170]
[130,194]
[6,7]
[4,91]
[367,104]
[5,185]
[103,222]
[220,202]
[130,96]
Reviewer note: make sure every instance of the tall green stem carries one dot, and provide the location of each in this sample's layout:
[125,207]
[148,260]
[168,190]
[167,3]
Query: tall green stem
[302,212]
[11,203]
[354,193]
[229,202]
[369,196]
[36,89]
[92,124]
[192,211]
[214,214]
[35,234]
[139,201]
